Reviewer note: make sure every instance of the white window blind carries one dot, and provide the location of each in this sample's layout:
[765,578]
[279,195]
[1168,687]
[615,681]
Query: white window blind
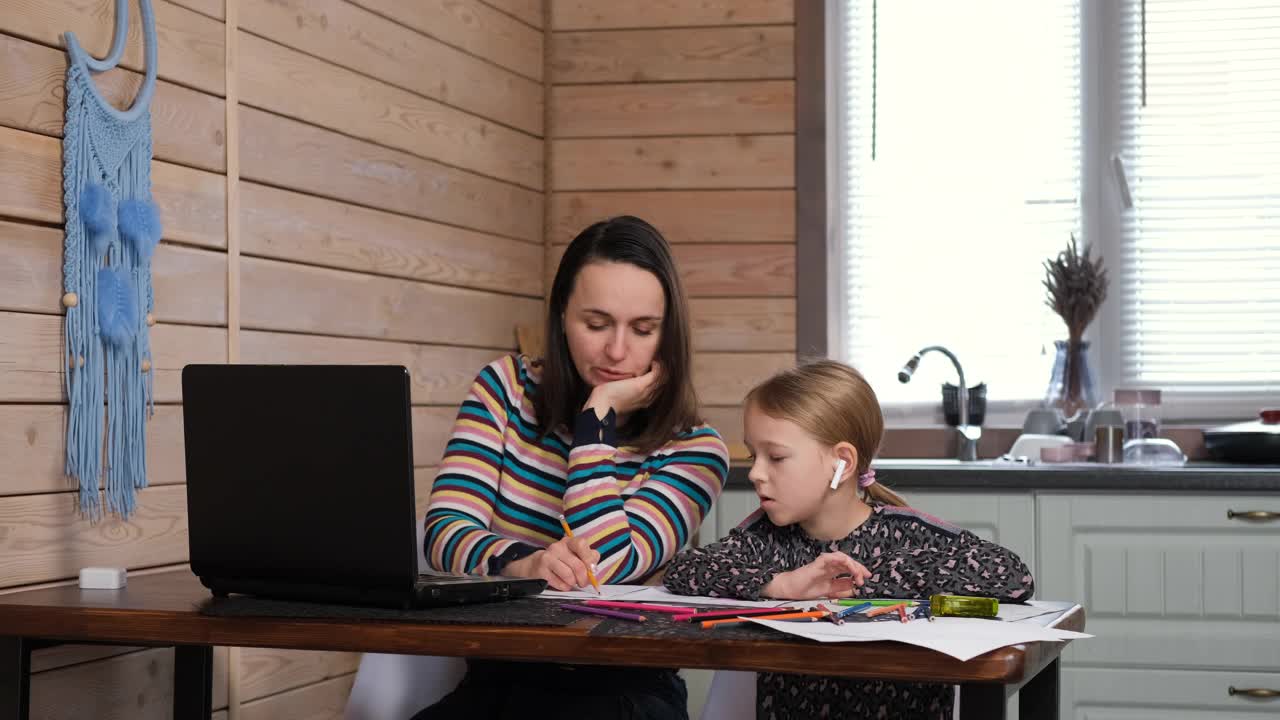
[1199,258]
[959,174]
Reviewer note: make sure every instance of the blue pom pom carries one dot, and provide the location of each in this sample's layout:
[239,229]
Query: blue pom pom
[140,226]
[98,213]
[117,307]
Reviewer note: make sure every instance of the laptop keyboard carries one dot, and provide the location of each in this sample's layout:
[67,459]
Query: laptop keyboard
[437,579]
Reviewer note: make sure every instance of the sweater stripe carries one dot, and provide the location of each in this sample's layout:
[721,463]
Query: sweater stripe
[499,483]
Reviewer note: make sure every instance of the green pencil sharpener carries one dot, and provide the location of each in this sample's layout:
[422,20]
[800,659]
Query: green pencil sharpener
[962,606]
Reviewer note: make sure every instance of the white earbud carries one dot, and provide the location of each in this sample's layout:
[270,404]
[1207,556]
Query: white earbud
[835,478]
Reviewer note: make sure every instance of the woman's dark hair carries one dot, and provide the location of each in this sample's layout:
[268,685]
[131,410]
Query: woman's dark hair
[563,392]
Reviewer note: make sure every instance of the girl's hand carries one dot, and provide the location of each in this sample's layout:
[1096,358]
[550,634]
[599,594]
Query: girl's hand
[626,396]
[831,575]
[563,564]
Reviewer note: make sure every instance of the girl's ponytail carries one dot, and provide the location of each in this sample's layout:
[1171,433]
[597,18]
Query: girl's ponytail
[881,494]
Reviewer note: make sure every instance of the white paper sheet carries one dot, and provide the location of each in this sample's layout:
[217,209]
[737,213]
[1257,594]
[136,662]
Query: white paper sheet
[658,594]
[1012,612]
[961,638]
[607,592]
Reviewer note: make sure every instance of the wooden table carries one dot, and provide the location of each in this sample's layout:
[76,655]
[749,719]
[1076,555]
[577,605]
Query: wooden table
[163,610]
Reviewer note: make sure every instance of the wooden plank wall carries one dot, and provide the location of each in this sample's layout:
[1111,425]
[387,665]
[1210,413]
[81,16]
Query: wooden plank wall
[389,174]
[42,539]
[683,113]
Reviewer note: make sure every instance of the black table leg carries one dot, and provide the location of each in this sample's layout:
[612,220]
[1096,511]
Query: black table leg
[1040,697]
[15,678]
[983,701]
[192,682]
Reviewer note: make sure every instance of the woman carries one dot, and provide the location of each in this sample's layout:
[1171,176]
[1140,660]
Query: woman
[604,431]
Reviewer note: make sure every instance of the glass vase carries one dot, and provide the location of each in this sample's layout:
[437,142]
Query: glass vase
[1072,385]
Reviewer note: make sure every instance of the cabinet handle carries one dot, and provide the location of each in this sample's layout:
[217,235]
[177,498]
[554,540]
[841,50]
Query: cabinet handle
[1253,515]
[1256,693]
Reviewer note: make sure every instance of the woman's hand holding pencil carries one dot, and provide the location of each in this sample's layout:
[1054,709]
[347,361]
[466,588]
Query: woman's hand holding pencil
[579,548]
[566,564]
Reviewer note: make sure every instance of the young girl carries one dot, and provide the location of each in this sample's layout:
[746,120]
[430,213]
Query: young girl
[825,528]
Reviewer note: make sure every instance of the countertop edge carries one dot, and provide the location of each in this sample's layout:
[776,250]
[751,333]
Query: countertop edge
[1191,478]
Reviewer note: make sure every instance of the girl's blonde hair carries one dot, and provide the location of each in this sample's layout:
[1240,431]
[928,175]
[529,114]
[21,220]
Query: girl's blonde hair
[834,403]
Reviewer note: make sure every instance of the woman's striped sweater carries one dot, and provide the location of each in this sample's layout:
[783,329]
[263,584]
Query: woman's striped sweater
[500,485]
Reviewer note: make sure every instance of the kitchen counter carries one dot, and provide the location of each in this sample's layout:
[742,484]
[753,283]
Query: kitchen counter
[991,475]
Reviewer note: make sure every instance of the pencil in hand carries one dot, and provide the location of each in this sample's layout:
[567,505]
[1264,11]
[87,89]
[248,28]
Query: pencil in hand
[591,575]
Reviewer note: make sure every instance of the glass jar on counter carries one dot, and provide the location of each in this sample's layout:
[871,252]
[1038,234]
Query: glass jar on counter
[1141,412]
[1143,444]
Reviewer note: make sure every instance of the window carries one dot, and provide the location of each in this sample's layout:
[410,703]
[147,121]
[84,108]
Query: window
[1198,248]
[959,147]
[972,139]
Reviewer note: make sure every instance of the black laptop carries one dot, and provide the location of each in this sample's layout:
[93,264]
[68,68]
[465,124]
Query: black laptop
[300,486]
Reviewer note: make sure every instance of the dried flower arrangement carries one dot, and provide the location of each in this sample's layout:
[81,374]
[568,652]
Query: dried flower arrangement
[1077,287]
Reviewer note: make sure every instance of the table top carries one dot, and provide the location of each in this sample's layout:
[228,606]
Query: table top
[164,609]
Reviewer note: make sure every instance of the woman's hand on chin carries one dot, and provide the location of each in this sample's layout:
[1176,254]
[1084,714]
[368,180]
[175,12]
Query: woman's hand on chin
[626,396]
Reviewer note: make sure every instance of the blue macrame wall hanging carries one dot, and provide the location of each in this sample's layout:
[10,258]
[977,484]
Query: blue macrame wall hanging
[112,229]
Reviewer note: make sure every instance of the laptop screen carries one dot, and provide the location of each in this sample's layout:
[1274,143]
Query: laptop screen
[300,473]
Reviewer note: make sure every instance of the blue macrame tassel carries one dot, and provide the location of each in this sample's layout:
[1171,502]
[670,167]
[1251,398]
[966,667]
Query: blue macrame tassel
[112,229]
[98,213]
[84,349]
[140,226]
[117,308]
[126,426]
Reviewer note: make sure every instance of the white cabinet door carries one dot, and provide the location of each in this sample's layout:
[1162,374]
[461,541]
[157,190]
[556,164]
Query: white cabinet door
[1005,518]
[1121,694]
[733,508]
[1166,581]
[709,531]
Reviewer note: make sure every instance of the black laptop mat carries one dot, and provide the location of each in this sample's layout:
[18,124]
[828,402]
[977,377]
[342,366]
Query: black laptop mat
[521,611]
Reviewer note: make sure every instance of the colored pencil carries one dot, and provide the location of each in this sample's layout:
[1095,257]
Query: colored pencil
[605,612]
[882,609]
[590,575]
[617,605]
[808,615]
[854,609]
[838,617]
[718,614]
